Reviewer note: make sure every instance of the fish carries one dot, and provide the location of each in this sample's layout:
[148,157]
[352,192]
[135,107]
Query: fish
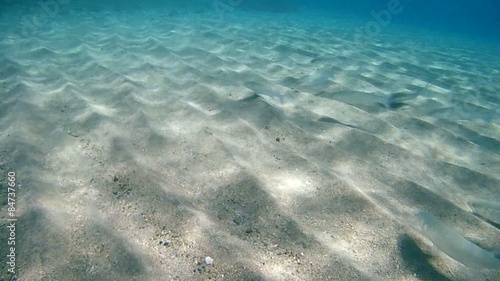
[367,100]
[452,243]
[265,91]
[489,210]
[397,100]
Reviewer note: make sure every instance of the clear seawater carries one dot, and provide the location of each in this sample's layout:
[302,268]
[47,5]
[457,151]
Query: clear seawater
[396,101]
[460,17]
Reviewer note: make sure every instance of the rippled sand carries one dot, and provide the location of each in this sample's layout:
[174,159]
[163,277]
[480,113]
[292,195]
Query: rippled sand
[147,142]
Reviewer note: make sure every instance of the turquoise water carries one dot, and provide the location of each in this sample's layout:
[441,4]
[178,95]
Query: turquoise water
[281,140]
[463,17]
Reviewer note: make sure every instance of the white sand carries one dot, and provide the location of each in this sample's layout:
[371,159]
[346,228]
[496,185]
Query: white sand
[126,133]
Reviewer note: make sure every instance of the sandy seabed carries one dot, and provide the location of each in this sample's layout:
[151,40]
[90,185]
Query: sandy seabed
[145,143]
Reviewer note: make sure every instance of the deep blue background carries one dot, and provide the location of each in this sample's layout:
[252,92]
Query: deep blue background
[478,17]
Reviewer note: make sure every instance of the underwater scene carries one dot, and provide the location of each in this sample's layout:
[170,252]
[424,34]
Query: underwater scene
[250,140]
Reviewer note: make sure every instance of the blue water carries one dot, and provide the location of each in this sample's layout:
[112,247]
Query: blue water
[463,17]
[457,16]
[477,20]
[399,97]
